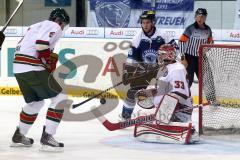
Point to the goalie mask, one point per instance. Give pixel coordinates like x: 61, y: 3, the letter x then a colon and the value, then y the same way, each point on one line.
x: 166, y: 54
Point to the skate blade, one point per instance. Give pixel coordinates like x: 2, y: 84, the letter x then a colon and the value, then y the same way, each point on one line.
x: 46, y: 148
x: 20, y: 145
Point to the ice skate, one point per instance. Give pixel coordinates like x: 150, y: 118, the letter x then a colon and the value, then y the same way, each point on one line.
x: 19, y: 140
x: 49, y: 144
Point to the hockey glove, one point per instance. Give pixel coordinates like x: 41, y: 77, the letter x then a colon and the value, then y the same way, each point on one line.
x: 51, y: 62
x: 2, y: 37
x: 125, y: 78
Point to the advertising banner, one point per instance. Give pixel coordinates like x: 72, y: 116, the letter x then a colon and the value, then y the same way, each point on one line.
x: 125, y: 13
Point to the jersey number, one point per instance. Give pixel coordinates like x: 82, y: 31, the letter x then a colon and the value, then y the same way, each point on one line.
x: 179, y: 84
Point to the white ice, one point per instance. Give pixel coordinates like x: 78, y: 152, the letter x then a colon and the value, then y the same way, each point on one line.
x: 89, y: 140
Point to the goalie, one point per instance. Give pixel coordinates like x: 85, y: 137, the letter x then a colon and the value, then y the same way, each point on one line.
x: 172, y: 99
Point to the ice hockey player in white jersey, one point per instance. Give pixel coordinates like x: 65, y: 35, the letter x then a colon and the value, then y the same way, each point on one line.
x: 141, y: 59
x: 33, y: 64
x: 172, y: 102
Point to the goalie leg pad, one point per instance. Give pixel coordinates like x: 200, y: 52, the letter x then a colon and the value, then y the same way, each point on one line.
x: 184, y: 110
x: 173, y: 133
x: 166, y: 109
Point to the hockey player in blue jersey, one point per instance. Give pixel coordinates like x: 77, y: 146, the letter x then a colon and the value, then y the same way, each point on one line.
x: 141, y: 64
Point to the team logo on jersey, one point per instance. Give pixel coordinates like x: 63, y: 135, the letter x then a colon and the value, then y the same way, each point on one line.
x: 165, y: 73
x: 150, y: 56
x: 51, y: 34
x: 113, y: 14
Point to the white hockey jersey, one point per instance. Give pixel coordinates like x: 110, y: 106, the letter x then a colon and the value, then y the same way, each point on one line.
x: 175, y: 80
x: 26, y: 55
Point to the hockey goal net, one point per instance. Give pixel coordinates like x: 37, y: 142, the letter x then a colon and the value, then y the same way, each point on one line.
x: 219, y: 83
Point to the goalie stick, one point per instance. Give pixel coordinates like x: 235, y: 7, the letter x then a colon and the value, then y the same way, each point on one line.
x: 131, y: 122
x: 20, y: 3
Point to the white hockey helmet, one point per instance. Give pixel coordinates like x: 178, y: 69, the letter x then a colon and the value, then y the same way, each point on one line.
x: 166, y: 54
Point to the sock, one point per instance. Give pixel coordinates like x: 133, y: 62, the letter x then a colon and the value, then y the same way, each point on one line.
x: 54, y: 117
x: 29, y: 115
x: 26, y: 121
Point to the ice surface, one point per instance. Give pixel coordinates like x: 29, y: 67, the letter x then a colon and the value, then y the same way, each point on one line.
x: 89, y: 140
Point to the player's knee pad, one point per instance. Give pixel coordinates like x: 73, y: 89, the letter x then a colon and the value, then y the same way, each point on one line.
x: 59, y: 101
x: 33, y: 107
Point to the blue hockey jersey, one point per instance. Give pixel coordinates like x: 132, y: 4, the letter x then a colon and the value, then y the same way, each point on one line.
x: 144, y: 49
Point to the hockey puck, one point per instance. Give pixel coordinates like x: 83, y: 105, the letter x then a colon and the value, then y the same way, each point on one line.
x: 102, y: 100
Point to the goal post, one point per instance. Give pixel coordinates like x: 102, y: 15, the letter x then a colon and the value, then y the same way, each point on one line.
x: 219, y: 82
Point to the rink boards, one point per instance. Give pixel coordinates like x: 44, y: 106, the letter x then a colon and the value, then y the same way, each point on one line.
x: 86, y: 65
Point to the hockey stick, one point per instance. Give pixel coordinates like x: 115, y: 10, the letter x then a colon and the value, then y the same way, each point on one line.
x: 97, y: 95
x: 120, y: 125
x: 131, y: 122
x: 20, y: 3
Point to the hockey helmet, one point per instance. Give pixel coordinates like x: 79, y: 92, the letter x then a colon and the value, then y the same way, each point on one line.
x: 148, y: 15
x: 59, y: 13
x: 201, y: 11
x: 166, y: 53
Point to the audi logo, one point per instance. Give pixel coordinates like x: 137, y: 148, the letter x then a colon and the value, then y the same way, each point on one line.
x: 92, y: 32
x: 130, y: 33
x: 171, y: 33
x: 11, y: 31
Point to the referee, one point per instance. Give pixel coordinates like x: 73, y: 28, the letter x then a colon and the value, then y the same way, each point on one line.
x: 194, y: 35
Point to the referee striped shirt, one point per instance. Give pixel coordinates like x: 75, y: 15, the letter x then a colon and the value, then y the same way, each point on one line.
x: 193, y: 37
